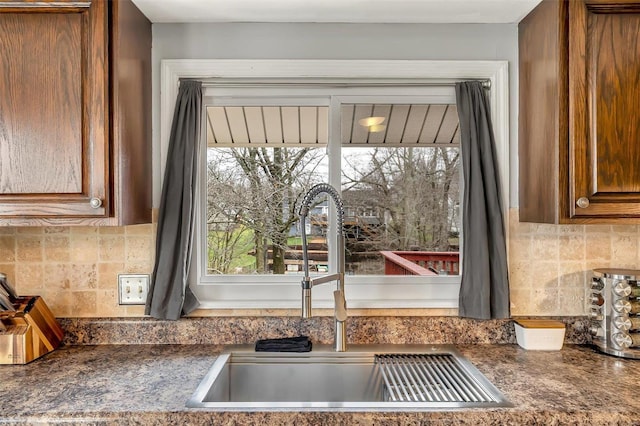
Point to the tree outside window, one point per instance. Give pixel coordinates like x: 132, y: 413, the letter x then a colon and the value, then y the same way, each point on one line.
x: 397, y: 199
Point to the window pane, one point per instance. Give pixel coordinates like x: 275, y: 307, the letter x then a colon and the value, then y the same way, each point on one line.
x: 401, y: 202
x: 252, y: 220
x: 401, y: 188
x: 259, y: 160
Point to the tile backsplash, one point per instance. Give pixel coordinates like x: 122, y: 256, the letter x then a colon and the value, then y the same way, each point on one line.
x: 550, y: 265
x: 75, y: 268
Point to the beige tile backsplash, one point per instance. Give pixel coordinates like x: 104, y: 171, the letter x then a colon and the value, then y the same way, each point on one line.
x: 75, y: 268
x: 550, y: 265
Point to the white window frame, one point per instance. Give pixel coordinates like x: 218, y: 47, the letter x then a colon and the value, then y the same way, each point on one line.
x: 276, y: 291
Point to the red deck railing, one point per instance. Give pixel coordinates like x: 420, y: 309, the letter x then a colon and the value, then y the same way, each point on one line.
x: 421, y: 262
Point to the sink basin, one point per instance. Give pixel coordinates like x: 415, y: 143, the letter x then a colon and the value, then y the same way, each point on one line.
x: 366, y: 378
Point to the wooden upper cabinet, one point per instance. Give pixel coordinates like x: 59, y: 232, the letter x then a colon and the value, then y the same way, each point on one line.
x: 75, y: 130
x: 579, y: 135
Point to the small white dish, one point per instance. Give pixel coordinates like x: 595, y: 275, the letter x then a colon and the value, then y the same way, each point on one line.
x: 540, y: 335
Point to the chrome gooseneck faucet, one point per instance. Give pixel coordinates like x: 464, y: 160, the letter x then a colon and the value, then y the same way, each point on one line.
x: 340, y: 304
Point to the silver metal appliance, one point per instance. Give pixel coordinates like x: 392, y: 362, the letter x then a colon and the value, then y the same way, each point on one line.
x: 615, y: 311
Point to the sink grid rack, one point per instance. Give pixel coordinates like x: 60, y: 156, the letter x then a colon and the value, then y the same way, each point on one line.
x: 429, y: 377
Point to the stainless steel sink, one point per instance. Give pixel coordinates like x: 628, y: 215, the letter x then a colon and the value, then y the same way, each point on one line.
x: 366, y: 378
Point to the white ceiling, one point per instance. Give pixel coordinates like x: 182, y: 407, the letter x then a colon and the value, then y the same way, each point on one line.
x: 339, y: 11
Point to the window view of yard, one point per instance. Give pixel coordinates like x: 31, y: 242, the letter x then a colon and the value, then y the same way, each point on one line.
x: 401, y: 206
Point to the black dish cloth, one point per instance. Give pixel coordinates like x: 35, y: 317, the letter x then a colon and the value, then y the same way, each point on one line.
x: 285, y: 344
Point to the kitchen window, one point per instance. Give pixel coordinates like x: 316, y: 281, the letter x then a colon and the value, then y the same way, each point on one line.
x: 396, y: 161
x: 327, y: 84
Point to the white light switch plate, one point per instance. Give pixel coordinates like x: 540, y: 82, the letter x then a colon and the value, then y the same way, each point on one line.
x: 133, y: 289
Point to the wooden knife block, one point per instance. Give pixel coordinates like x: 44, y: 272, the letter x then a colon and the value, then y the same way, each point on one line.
x: 30, y: 334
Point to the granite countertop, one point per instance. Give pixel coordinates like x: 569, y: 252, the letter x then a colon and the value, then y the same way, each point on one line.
x: 149, y: 384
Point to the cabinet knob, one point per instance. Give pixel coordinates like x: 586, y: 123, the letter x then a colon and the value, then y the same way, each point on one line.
x: 583, y: 202
x: 95, y: 203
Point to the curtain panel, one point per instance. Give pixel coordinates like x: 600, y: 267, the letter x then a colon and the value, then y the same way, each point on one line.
x: 169, y: 295
x: 484, y: 290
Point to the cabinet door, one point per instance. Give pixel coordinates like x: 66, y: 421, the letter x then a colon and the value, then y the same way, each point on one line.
x: 54, y: 157
x: 604, y: 109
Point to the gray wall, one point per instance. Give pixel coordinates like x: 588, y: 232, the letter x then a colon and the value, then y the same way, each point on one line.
x: 337, y: 41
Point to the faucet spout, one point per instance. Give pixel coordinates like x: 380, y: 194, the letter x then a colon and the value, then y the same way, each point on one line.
x: 340, y: 311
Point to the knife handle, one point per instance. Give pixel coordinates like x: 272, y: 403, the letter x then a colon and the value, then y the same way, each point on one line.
x: 30, y: 304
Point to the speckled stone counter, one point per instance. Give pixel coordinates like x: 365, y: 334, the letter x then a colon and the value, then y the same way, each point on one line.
x: 361, y: 330
x: 149, y: 385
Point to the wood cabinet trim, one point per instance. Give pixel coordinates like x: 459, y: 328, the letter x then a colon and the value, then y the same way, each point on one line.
x: 543, y: 114
x: 565, y: 168
x: 44, y: 6
x: 612, y: 6
x: 96, y: 111
x: 579, y: 160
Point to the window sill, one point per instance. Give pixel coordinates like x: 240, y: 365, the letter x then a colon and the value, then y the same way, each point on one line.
x: 441, y: 293
x: 204, y: 311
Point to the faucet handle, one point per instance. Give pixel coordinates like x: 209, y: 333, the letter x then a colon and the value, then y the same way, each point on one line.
x: 340, y: 305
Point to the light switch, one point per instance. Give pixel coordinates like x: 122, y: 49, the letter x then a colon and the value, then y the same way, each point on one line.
x: 133, y: 289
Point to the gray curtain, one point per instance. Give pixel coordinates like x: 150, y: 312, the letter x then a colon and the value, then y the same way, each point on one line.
x: 484, y: 291
x: 169, y: 295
